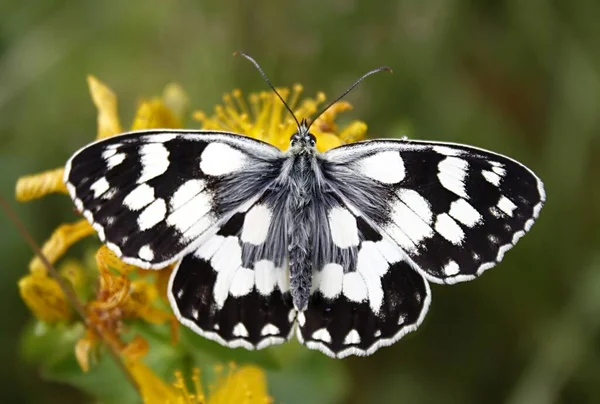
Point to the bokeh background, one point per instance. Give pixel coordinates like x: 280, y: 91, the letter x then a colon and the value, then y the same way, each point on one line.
x: 518, y: 77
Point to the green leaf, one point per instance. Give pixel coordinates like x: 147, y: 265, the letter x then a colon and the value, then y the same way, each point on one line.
x: 43, y: 343
x: 104, y: 381
x: 308, y: 377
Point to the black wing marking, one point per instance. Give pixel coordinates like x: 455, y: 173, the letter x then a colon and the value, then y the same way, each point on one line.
x: 362, y: 304
x: 154, y: 195
x: 231, y: 292
x: 454, y: 210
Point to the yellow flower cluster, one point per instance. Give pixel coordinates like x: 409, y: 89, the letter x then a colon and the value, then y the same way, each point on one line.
x: 121, y: 297
x: 263, y: 116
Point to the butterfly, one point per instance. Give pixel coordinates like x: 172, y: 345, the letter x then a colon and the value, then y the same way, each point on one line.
x: 336, y: 247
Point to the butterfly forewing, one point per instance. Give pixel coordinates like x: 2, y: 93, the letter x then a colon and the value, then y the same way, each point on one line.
x: 453, y: 210
x: 152, y: 195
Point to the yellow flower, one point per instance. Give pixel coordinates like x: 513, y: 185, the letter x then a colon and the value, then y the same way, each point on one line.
x: 244, y: 385
x: 44, y: 297
x: 263, y: 116
x: 117, y: 299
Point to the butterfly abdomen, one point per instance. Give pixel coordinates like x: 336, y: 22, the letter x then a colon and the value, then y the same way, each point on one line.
x: 299, y: 225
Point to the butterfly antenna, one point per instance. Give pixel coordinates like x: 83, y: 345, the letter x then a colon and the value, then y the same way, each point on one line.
x: 357, y: 82
x: 255, y: 63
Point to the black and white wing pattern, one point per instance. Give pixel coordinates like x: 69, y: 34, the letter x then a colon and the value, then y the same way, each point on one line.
x: 367, y: 296
x: 453, y: 210
x: 233, y: 289
x: 409, y: 212
x: 155, y: 197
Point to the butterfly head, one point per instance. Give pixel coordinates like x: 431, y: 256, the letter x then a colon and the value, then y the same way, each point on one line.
x: 303, y: 141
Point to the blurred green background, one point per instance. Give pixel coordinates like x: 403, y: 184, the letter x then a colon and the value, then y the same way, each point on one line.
x: 519, y: 77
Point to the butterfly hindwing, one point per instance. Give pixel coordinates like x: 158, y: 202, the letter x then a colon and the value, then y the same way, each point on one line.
x: 454, y: 210
x: 151, y: 195
x: 366, y: 297
x: 234, y: 288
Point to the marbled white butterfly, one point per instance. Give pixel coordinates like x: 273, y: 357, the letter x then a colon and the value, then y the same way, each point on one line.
x: 339, y: 246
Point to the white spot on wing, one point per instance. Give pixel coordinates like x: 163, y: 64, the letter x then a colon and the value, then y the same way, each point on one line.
x: 108, y: 153
x: 184, y: 217
x: 199, y: 227
x: 372, y: 265
x: 185, y: 193
x: 462, y: 211
x: 354, y: 287
x: 115, y: 160
x: 449, y: 229
x: 225, y: 262
x: 240, y: 330
x: 386, y: 167
x: 160, y: 137
x: 491, y: 177
x: 99, y: 187
x: 256, y: 225
x: 152, y: 215
x: 342, y: 224
x: 220, y: 159
x: 269, y: 329
x: 352, y: 338
x: 506, y: 205
x: 209, y: 248
x: 265, y: 276
x: 389, y: 251
x: 141, y: 196
x: 283, y: 279
x: 146, y: 253
x: 322, y: 335
x: 452, y: 173
x: 242, y: 282
x: 447, y: 151
x: 416, y: 203
x: 410, y: 223
x: 155, y: 161
x: 451, y: 268
x: 331, y: 280
x: 399, y: 236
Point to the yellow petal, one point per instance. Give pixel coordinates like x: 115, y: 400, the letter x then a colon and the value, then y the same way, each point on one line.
x: 106, y: 103
x: 136, y: 349
x: 63, y: 237
x: 176, y: 99
x: 83, y: 350
x: 326, y: 141
x: 154, y: 114
x: 246, y: 385
x: 37, y: 185
x: 44, y: 297
x: 73, y: 271
x: 152, y: 388
x: 354, y: 132
x: 106, y: 259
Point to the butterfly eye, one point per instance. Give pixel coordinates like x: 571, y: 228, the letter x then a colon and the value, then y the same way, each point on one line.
x: 313, y: 139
